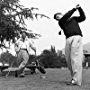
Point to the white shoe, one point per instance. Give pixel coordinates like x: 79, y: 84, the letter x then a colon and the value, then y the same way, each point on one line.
x: 22, y: 75
x: 43, y: 77
x: 74, y: 83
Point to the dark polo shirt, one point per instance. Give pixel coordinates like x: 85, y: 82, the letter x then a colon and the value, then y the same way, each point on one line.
x: 70, y: 24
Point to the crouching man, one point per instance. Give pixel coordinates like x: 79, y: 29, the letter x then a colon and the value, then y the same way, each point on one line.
x: 22, y: 48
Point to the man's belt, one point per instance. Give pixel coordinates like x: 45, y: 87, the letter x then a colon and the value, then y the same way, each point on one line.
x: 24, y: 49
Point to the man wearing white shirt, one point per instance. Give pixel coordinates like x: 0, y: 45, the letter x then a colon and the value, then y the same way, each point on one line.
x: 22, y: 48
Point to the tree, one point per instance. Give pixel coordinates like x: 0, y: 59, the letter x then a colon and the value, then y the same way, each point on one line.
x: 49, y: 58
x: 52, y: 59
x: 6, y: 57
x: 12, y: 19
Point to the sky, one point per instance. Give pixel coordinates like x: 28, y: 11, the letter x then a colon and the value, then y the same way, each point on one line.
x: 49, y: 28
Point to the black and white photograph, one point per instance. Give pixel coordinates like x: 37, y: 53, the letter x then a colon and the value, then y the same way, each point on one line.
x: 44, y: 45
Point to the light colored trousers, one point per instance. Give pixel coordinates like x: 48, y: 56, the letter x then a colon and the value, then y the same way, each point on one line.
x: 23, y: 58
x: 74, y: 57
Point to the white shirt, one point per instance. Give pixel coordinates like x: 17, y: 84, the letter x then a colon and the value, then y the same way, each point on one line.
x: 26, y: 44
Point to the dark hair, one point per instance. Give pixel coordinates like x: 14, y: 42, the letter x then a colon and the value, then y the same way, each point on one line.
x: 55, y: 15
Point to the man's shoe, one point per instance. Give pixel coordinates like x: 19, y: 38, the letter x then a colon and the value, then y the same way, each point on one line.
x: 22, y: 75
x: 73, y: 83
x: 16, y: 73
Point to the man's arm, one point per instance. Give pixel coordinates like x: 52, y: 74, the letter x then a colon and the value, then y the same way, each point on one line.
x: 67, y: 15
x: 82, y: 16
x: 33, y: 48
x: 16, y: 46
x: 31, y: 45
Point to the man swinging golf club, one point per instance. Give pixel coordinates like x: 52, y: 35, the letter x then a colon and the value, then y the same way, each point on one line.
x: 74, y: 48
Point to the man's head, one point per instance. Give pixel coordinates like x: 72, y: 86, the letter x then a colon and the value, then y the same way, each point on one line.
x: 23, y: 35
x: 58, y: 16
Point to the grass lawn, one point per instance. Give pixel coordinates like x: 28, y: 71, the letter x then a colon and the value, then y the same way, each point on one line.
x: 55, y: 80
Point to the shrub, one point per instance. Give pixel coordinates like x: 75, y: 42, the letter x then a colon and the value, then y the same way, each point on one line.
x: 9, y: 58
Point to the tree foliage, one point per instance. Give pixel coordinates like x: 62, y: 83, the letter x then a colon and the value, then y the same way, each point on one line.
x: 50, y: 59
x: 12, y: 19
x: 6, y: 57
